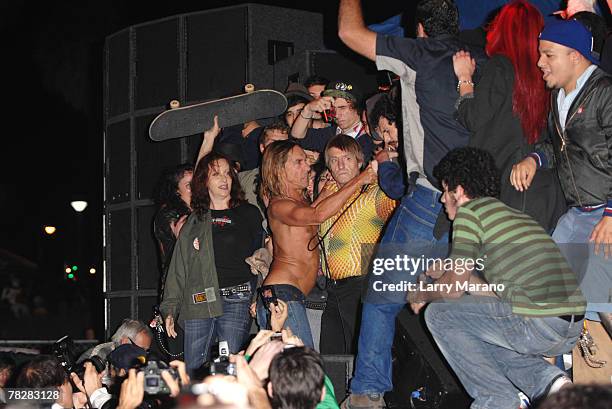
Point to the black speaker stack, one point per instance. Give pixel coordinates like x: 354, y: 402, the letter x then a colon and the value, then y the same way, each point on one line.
x: 421, y: 377
x: 190, y: 58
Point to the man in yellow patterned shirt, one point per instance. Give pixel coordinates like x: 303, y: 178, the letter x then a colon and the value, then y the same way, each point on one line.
x: 358, y: 224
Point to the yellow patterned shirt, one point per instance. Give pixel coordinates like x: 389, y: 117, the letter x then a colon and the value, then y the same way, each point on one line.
x: 361, y: 224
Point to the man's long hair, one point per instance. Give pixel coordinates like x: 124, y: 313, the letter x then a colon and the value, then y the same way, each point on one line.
x: 514, y: 34
x: 273, y: 169
x: 200, y: 197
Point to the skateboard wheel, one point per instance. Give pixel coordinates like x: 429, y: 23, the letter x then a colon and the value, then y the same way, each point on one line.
x: 174, y: 104
x: 249, y: 88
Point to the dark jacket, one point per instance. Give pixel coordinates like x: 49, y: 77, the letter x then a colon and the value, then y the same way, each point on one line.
x: 391, y: 179
x: 495, y: 128
x: 582, y: 153
x: 192, y: 287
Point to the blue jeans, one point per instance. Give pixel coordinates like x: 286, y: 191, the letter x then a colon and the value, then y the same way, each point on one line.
x: 233, y: 326
x: 410, y: 231
x: 297, y: 320
x: 496, y: 353
x: 594, y: 272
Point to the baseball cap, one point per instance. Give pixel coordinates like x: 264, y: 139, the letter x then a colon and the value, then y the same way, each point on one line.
x: 295, y: 89
x: 342, y: 89
x: 572, y: 34
x: 127, y: 356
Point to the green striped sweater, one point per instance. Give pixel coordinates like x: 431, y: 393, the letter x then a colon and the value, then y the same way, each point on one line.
x: 516, y: 252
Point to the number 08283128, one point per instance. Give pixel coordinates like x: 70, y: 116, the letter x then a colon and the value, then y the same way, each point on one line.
x: 31, y: 394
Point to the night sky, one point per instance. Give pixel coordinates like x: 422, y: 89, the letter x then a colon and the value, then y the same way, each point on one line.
x: 52, y: 86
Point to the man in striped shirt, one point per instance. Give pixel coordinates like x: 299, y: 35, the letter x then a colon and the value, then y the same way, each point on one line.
x: 496, y: 343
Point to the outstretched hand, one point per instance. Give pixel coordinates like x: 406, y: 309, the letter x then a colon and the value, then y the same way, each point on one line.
x: 213, y: 132
x: 318, y: 105
x: 278, y: 315
x: 132, y: 390
x: 262, y: 337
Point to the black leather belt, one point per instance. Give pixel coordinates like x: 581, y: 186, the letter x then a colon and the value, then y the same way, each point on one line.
x: 237, y: 289
x: 568, y: 318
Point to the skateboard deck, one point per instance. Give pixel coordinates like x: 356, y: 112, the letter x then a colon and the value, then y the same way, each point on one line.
x: 197, y: 118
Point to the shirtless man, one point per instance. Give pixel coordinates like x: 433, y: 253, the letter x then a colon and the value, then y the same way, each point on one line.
x: 294, y: 223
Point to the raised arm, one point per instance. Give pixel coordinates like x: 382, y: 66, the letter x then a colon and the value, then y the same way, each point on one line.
x: 302, y: 122
x: 294, y: 214
x: 208, y: 140
x: 353, y: 31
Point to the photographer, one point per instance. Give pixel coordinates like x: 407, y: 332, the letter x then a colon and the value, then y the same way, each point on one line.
x: 145, y: 381
x: 45, y: 371
x: 296, y: 379
x: 264, y: 348
x: 132, y: 393
x: 129, y: 332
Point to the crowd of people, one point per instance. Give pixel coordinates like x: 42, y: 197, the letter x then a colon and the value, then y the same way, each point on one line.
x: 475, y: 188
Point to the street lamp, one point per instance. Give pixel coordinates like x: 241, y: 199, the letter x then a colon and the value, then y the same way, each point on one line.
x: 78, y: 205
x: 50, y: 230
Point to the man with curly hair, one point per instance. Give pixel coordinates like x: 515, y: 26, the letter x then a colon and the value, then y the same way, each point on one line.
x: 510, y: 296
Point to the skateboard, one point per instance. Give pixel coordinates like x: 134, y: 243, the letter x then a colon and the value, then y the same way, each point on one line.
x: 193, y: 119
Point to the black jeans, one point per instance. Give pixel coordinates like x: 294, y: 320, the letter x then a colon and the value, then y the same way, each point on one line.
x: 342, y: 316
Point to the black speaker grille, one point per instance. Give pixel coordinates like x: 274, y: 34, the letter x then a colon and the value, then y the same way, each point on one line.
x: 216, y: 54
x: 118, y: 48
x: 118, y: 308
x: 148, y: 267
x: 120, y: 250
x: 157, y: 64
x: 118, y: 163
x: 152, y: 157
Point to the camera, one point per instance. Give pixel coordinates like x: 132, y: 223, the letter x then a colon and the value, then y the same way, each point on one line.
x: 154, y: 384
x: 222, y: 365
x: 268, y: 296
x: 64, y: 351
x: 329, y: 115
